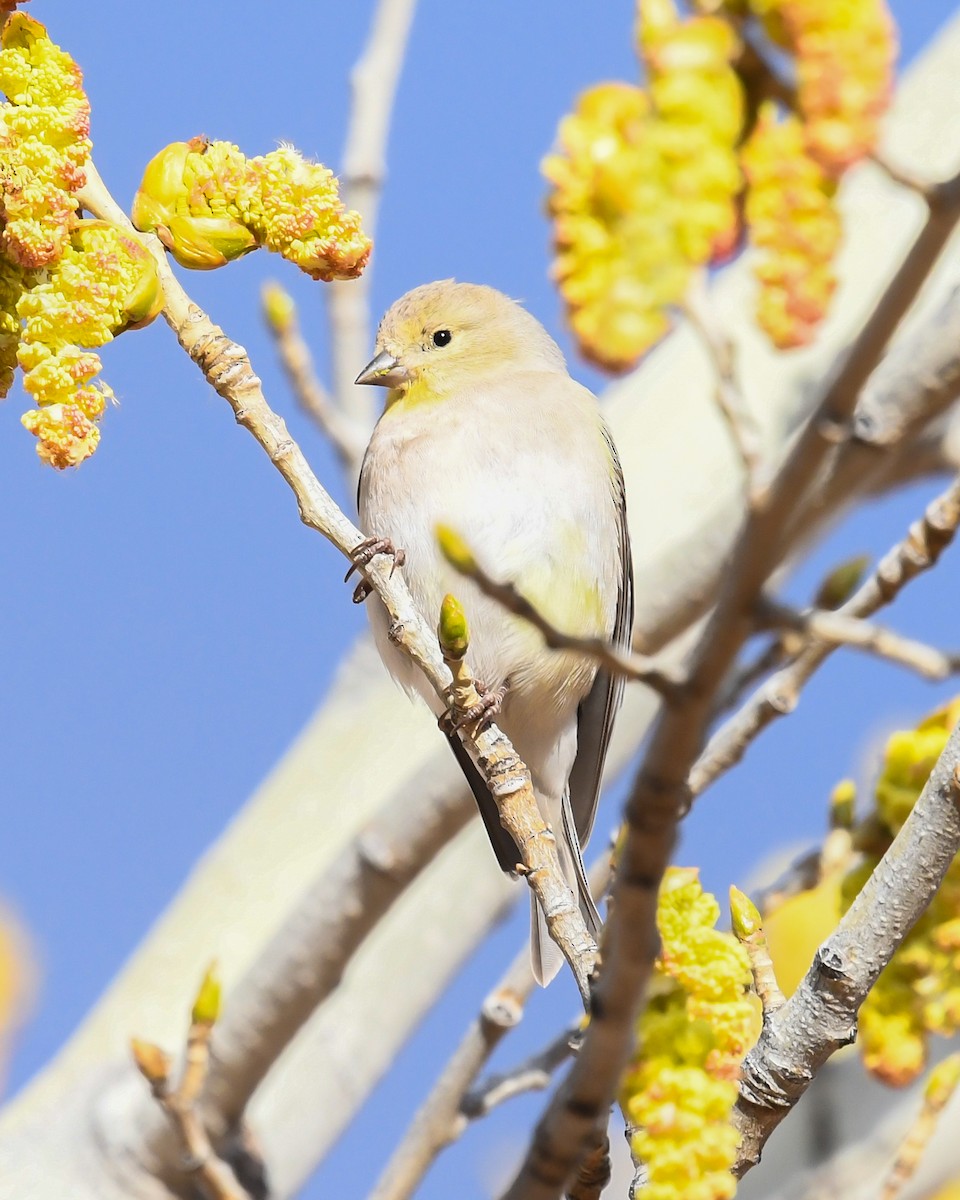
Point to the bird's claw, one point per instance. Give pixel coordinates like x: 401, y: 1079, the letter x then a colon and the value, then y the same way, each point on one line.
x: 363, y: 553
x: 483, y: 712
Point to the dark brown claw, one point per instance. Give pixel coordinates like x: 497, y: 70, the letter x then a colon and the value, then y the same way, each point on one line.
x: 363, y: 553
x: 488, y: 707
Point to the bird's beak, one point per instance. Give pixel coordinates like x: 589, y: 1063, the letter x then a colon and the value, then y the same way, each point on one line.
x: 385, y: 370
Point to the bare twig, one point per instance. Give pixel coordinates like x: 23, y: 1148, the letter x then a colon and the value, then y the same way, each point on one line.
x: 748, y: 928
x: 577, y: 1112
x: 347, y: 436
x: 532, y: 1075
x: 840, y: 629
x: 940, y: 1088
x: 442, y: 1118
x: 373, y: 83
x: 919, y: 551
x: 180, y: 1103
x: 662, y: 680
x: 821, y: 1015
x: 729, y: 395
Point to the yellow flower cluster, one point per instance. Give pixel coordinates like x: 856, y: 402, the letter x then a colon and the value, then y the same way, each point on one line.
x: 44, y: 143
x: 696, y: 1028
x: 845, y: 52
x: 919, y: 991
x: 209, y: 204
x: 104, y: 282
x: 644, y: 184
x: 795, y: 225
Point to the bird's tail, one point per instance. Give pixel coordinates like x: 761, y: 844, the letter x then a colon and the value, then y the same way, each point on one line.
x: 545, y: 956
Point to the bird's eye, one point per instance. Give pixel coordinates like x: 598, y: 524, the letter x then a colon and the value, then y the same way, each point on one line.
x: 441, y: 337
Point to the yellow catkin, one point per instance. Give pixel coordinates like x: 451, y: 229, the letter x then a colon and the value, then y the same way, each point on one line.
x: 696, y: 1028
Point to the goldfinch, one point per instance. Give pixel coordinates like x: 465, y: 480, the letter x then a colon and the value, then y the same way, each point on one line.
x: 484, y: 431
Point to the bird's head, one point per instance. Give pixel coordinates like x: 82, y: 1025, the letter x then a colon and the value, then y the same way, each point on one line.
x: 446, y: 336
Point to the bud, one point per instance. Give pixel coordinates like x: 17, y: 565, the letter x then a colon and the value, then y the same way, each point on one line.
x: 205, y: 243
x: 942, y: 1082
x: 206, y: 1007
x: 455, y: 550
x: 843, y: 800
x: 842, y: 582
x: 160, y: 188
x: 152, y: 1063
x: 744, y: 915
x: 279, y: 309
x: 453, y: 631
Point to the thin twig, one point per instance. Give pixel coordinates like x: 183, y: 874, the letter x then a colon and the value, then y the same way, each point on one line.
x: 532, y: 1075
x: 441, y: 1118
x: 937, y: 1094
x: 347, y: 436
x: 917, y: 552
x: 665, y: 681
x: 821, y: 1015
x: 213, y: 1176
x: 373, y: 84
x: 578, y: 1110
x: 730, y: 399
x: 840, y: 629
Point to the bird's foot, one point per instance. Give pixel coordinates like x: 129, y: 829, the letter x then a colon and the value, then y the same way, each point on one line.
x: 483, y: 712
x: 363, y: 553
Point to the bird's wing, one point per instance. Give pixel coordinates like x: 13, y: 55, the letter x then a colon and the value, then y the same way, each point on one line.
x: 598, y: 709
x: 503, y: 844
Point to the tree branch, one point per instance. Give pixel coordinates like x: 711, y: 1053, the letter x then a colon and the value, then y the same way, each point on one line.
x: 840, y: 629
x: 729, y: 394
x: 347, y: 436
x: 917, y: 552
x: 577, y: 1112
x: 820, y: 1016
x: 374, y: 84
x: 662, y: 679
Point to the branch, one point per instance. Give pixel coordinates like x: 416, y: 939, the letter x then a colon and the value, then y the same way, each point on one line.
x: 374, y: 84
x: 941, y: 1085
x: 444, y: 1116
x: 820, y: 1016
x: 917, y: 552
x: 532, y: 1075
x: 347, y: 436
x: 214, y: 1177
x: 663, y: 680
x: 440, y: 1120
x: 304, y: 961
x: 840, y: 629
x: 577, y: 1113
x: 729, y: 393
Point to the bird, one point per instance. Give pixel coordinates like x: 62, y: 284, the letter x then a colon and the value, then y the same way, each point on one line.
x: 484, y: 431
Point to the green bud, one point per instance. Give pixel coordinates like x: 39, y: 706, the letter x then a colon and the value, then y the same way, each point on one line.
x: 744, y: 915
x: 205, y: 243
x: 842, y: 582
x: 843, y: 800
x: 453, y: 631
x: 206, y: 1007
x: 455, y: 550
x: 279, y: 308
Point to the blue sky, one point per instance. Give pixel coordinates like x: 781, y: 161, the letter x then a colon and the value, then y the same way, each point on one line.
x: 131, y: 680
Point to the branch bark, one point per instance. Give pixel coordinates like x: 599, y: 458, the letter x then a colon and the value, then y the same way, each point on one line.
x: 821, y: 1015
